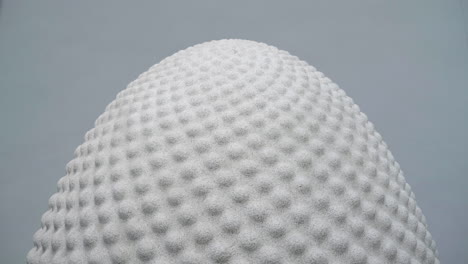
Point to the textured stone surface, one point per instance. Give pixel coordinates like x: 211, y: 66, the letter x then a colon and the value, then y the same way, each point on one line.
x: 233, y: 151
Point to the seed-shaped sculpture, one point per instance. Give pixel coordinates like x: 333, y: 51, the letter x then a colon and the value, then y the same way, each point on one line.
x: 233, y: 151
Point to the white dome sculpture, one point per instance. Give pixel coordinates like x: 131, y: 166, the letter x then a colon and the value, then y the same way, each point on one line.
x: 233, y: 151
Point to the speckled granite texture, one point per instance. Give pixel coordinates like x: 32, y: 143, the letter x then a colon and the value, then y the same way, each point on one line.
x: 233, y: 151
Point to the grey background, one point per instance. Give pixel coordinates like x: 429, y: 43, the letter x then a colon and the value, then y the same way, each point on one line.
x: 404, y: 62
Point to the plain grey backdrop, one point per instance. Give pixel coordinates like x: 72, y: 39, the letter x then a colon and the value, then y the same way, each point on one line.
x: 404, y: 62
